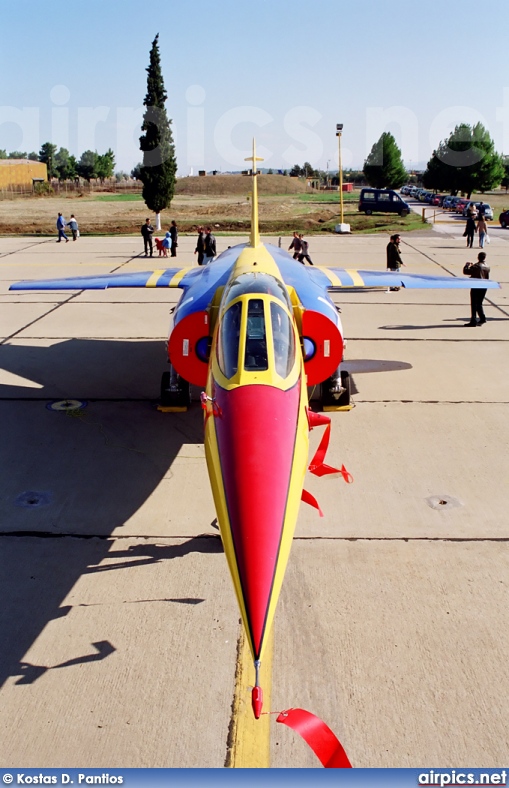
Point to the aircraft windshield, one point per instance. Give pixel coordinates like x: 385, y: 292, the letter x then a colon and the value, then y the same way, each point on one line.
x: 256, y: 357
x: 284, y: 341
x: 257, y: 283
x: 229, y: 339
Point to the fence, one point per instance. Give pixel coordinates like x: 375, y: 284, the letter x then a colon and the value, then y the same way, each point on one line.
x: 56, y: 187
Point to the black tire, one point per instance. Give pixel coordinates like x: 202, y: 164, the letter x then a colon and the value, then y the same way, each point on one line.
x: 404, y: 213
x: 328, y: 399
x: 181, y: 398
x: 368, y: 211
x: 503, y: 225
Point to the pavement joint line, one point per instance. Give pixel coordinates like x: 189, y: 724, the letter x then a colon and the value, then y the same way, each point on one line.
x: 152, y: 538
x: 25, y: 248
x: 154, y: 400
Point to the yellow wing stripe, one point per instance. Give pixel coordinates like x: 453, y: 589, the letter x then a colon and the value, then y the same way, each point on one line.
x: 152, y: 281
x: 356, y: 277
x: 333, y: 278
x: 175, y: 280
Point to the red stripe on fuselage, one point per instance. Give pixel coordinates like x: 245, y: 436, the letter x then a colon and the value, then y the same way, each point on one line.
x: 256, y: 433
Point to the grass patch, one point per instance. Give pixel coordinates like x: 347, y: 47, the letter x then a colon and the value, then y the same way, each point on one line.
x: 329, y: 197
x: 118, y: 197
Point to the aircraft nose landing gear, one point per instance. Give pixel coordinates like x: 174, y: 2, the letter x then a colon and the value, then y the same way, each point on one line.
x: 336, y: 392
x: 175, y: 393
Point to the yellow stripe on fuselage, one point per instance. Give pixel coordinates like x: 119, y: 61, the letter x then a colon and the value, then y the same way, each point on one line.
x: 333, y: 278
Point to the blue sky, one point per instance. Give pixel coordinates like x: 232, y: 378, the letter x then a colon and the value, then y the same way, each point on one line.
x: 284, y: 71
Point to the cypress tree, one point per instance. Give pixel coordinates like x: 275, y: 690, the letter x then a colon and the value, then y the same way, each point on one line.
x: 159, y: 162
x: 384, y: 167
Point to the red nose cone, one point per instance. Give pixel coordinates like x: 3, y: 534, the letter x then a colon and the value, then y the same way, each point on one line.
x: 256, y: 439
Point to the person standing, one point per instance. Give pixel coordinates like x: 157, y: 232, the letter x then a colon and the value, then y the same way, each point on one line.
x: 482, y: 229
x: 73, y: 224
x: 200, y: 246
x: 394, y: 260
x: 470, y: 230
x: 167, y: 244
x: 210, y: 246
x: 478, y: 270
x: 296, y: 246
x: 147, y: 231
x: 174, y: 238
x: 304, y: 247
x: 61, y: 228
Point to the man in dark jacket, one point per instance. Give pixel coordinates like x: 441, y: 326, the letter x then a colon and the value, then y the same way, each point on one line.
x: 147, y: 231
x: 394, y: 261
x: 296, y: 245
x: 210, y: 246
x: 174, y: 238
x: 200, y: 245
x: 478, y: 270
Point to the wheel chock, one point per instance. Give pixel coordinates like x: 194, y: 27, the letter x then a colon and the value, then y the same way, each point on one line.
x: 172, y: 409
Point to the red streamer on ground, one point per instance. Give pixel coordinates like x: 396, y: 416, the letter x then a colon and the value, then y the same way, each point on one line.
x: 325, y: 745
x: 311, y: 500
x: 317, y: 465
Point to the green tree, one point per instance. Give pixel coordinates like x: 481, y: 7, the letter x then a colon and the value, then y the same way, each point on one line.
x: 17, y: 154
x: 136, y: 171
x: 65, y: 165
x: 505, y: 179
x: 47, y: 155
x: 106, y: 164
x: 159, y: 162
x: 296, y: 171
x: 3, y: 154
x: 33, y: 156
x: 384, y: 167
x: 87, y: 165
x: 466, y: 162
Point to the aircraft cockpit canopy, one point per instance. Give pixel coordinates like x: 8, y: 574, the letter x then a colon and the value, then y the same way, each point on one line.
x: 256, y: 335
x: 254, y: 282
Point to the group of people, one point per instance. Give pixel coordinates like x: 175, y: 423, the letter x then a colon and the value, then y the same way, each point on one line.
x: 205, y: 246
x: 300, y: 249
x: 167, y: 244
x: 62, y: 224
x: 471, y: 228
x: 477, y: 270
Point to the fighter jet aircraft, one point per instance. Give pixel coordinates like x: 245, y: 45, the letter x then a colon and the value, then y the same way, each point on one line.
x: 254, y: 329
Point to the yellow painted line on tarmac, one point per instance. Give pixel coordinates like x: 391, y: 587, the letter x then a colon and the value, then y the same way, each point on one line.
x: 249, y: 739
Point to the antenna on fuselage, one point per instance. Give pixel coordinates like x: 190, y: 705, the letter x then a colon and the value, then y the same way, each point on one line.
x: 255, y: 233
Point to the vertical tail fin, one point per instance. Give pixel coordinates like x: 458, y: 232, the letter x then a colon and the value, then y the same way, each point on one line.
x: 255, y: 233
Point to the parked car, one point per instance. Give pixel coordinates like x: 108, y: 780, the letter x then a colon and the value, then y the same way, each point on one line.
x: 460, y: 205
x: 487, y: 211
x: 381, y: 201
x: 448, y: 202
x: 504, y: 219
x: 437, y: 199
x: 467, y: 209
x: 405, y: 190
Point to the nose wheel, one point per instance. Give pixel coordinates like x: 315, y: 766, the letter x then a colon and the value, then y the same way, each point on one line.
x: 336, y: 393
x: 175, y: 393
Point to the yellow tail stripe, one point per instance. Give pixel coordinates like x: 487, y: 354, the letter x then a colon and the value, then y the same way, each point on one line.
x: 356, y: 277
x: 152, y: 281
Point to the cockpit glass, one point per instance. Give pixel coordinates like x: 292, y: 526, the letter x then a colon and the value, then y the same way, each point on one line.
x: 284, y: 340
x: 255, y: 358
x: 229, y: 339
x: 257, y: 283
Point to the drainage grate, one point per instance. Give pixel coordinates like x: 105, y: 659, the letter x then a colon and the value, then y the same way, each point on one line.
x: 66, y: 405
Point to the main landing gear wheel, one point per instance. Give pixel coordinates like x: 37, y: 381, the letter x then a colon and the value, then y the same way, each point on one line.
x: 175, y: 393
x: 335, y: 397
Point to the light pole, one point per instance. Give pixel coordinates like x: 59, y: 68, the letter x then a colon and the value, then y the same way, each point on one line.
x: 342, y: 227
x: 339, y: 129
